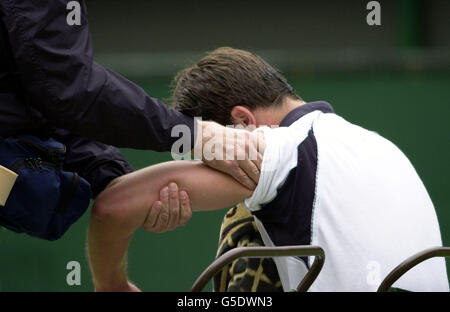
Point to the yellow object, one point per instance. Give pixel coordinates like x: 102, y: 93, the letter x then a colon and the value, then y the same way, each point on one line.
x: 7, y: 180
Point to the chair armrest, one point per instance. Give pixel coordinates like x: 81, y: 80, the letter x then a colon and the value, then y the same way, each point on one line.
x: 264, y: 252
x: 411, y: 262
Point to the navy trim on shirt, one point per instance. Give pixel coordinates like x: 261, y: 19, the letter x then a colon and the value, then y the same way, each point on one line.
x: 304, y: 109
x: 288, y: 217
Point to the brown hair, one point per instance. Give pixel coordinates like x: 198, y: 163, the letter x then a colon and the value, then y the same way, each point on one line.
x: 225, y: 78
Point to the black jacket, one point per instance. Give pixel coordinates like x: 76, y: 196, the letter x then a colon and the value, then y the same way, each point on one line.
x: 49, y: 82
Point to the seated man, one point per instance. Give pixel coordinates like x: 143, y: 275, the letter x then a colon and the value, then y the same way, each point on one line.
x: 323, y: 181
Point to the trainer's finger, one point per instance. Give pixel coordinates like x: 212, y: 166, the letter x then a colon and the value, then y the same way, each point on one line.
x: 242, y: 177
x: 152, y: 217
x: 186, y: 211
x: 174, y: 206
x: 257, y: 148
x: 258, y: 162
x: 164, y: 215
x: 250, y: 169
x: 162, y: 221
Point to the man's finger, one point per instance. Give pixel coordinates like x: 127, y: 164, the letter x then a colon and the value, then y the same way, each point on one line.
x: 186, y: 211
x: 174, y: 207
x: 152, y: 218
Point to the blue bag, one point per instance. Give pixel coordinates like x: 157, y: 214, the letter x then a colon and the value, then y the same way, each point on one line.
x: 45, y: 200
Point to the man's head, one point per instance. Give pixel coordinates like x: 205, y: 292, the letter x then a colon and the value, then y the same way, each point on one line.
x: 232, y: 86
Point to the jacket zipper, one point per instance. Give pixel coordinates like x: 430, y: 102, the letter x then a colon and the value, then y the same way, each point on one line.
x: 32, y: 163
x: 55, y: 155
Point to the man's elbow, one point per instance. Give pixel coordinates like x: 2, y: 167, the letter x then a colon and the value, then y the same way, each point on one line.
x: 110, y: 208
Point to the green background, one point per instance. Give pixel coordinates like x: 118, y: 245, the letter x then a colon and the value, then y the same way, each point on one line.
x: 411, y: 109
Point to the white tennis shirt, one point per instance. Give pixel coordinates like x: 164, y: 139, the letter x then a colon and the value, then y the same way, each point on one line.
x: 327, y: 182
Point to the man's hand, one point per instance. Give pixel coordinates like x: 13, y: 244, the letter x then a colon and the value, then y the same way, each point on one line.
x: 172, y: 210
x: 237, y: 152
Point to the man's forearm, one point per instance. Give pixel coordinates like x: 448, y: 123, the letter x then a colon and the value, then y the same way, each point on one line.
x: 116, y: 216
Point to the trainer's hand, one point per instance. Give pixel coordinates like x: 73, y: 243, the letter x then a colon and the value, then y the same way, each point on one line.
x: 172, y: 210
x: 241, y: 151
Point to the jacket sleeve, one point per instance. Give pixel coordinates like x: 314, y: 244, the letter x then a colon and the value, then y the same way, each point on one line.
x: 98, y: 163
x: 55, y: 65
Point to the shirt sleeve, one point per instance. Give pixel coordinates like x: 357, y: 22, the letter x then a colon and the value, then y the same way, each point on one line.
x: 54, y: 62
x: 271, y: 171
x: 280, y: 157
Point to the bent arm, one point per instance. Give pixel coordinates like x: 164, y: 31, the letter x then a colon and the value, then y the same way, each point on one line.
x: 124, y: 205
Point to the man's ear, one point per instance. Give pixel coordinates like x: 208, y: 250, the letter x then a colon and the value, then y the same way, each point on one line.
x: 243, y: 116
